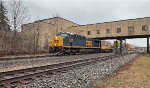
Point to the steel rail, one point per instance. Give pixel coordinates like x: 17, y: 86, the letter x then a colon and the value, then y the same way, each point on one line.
x: 42, y: 56
x: 49, y: 69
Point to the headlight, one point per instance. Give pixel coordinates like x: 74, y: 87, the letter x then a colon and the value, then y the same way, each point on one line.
x: 56, y: 38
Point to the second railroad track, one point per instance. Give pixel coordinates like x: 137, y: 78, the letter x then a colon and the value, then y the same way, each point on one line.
x: 8, y: 79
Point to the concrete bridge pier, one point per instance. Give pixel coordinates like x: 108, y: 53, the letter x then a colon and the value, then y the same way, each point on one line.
x: 125, y: 43
x: 116, y: 47
x: 148, y: 45
x: 120, y: 46
x: 100, y: 44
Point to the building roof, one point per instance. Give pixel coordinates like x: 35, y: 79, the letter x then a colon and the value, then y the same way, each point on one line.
x: 109, y: 22
x: 50, y: 19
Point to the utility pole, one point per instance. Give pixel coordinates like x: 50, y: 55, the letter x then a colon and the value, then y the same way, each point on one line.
x: 56, y: 24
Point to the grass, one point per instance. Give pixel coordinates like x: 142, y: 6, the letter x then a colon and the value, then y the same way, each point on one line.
x: 134, y: 75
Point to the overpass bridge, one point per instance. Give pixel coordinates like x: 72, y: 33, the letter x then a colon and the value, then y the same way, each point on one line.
x: 119, y: 30
x: 121, y: 38
x: 125, y: 29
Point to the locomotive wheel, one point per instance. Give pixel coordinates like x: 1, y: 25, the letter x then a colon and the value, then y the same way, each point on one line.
x: 77, y: 50
x: 98, y: 50
x: 50, y: 50
x: 95, y: 50
x: 66, y: 51
x: 74, y: 51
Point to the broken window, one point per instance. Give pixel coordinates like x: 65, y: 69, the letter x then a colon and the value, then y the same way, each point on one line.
x: 88, y: 32
x: 108, y: 30
x: 118, y: 30
x: 98, y: 31
x: 145, y: 28
x: 131, y: 29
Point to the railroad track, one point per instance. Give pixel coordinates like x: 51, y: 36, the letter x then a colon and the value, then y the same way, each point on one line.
x: 12, y: 78
x: 42, y: 56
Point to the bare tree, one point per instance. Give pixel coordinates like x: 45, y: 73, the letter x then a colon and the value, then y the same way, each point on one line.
x: 31, y: 36
x: 4, y: 26
x: 57, y: 23
x: 46, y: 41
x: 36, y: 37
x: 18, y: 14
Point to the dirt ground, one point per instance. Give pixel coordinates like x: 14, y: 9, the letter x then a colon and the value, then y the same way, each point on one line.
x: 134, y: 75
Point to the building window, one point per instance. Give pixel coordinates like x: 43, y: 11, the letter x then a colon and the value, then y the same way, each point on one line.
x: 108, y: 30
x: 145, y: 28
x: 131, y: 29
x: 118, y: 30
x: 88, y: 32
x: 98, y: 31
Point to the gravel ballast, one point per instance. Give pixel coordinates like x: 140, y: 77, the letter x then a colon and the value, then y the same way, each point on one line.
x: 83, y: 77
x: 10, y: 65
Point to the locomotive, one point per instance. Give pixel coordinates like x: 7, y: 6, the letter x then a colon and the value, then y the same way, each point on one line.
x: 68, y: 43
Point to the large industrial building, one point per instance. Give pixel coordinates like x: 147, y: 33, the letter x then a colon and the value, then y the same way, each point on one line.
x: 38, y: 33
x: 122, y: 29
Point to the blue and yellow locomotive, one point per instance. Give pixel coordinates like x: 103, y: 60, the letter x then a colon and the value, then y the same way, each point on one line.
x: 68, y: 43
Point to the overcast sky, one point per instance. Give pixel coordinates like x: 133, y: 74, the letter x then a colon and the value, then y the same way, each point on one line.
x: 90, y: 11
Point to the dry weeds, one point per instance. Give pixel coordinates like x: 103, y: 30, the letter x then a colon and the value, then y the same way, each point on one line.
x: 134, y: 75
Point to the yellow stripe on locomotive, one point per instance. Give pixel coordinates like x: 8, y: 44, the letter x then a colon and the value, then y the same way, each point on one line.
x: 105, y: 47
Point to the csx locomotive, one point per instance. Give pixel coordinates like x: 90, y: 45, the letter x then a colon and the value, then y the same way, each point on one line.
x: 68, y: 43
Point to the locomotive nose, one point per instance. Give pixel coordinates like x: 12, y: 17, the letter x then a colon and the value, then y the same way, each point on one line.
x: 56, y: 41
x: 56, y: 38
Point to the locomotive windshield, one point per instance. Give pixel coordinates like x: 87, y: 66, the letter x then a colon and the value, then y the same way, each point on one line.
x: 63, y: 35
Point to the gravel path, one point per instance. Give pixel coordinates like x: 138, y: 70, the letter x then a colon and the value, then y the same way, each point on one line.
x: 9, y: 65
x: 81, y: 78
